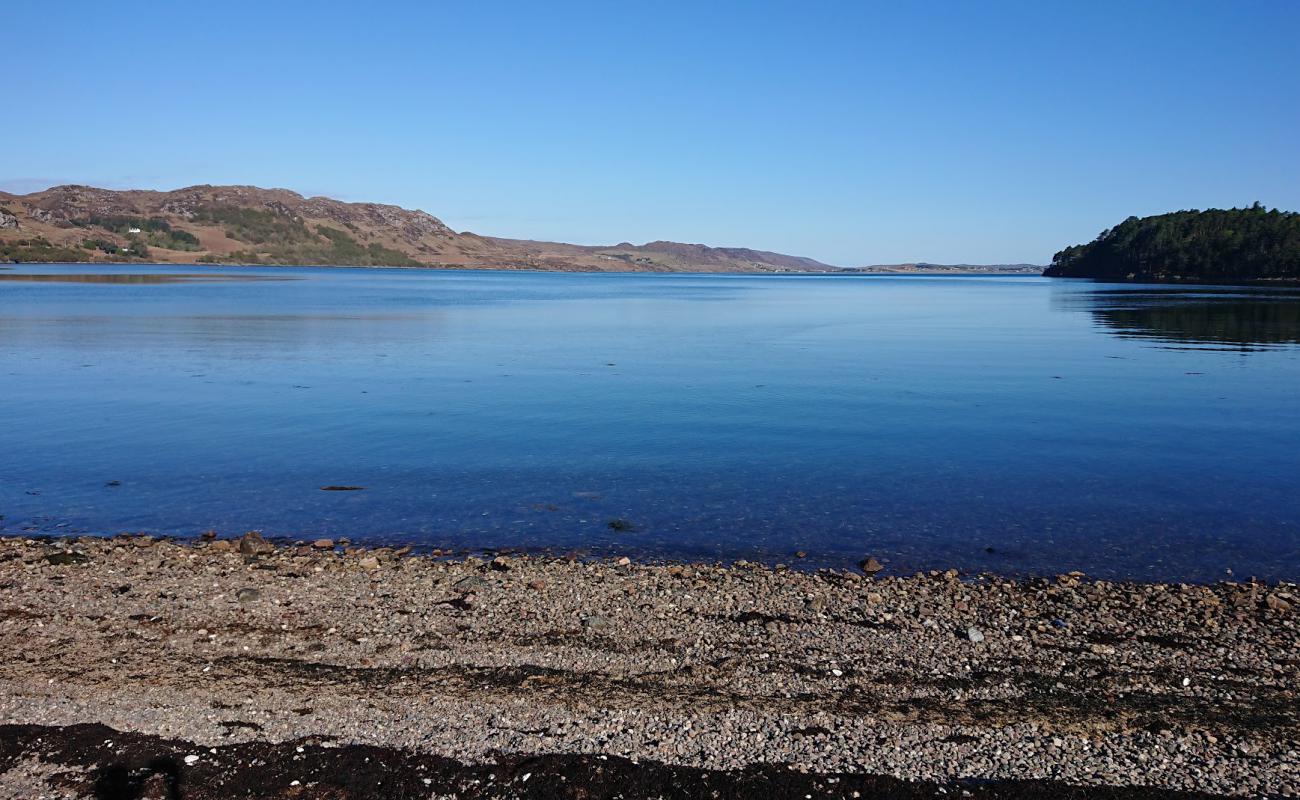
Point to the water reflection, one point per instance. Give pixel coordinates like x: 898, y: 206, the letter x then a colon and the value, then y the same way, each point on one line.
x: 138, y: 278
x: 1244, y: 319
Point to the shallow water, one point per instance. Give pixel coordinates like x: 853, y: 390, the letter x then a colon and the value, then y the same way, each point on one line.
x: 1015, y: 424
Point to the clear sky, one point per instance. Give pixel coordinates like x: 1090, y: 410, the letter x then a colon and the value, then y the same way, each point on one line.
x: 852, y: 132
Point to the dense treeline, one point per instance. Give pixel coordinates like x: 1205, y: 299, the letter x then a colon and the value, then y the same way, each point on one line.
x: 1239, y: 244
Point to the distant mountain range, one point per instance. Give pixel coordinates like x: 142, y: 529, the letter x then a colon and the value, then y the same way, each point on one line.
x: 248, y: 225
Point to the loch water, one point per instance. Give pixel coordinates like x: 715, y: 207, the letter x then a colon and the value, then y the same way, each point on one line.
x: 1012, y: 424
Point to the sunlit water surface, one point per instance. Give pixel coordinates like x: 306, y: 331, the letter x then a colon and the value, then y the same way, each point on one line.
x: 1013, y: 424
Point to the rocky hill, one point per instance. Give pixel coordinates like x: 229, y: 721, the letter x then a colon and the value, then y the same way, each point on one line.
x: 248, y: 225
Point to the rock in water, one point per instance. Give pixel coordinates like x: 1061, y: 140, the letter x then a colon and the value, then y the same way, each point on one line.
x: 871, y: 566
x: 252, y: 544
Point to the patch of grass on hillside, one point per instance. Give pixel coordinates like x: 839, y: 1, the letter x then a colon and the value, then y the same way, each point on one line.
x: 281, y: 239
x: 155, y: 231
x: 346, y: 250
x: 254, y: 226
x: 134, y: 248
x: 37, y: 250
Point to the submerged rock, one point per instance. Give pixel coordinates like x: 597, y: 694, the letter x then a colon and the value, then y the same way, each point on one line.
x: 871, y: 566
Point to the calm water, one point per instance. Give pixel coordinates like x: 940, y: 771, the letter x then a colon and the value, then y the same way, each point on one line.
x: 1013, y: 424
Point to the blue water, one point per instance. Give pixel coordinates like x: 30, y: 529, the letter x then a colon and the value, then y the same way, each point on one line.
x: 1012, y: 424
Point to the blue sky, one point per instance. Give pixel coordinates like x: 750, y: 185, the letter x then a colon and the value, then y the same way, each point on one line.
x: 853, y: 132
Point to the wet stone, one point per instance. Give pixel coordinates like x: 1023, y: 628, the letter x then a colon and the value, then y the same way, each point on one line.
x: 253, y: 544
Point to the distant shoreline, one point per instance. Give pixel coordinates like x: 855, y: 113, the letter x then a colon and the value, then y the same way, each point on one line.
x: 271, y: 227
x: 849, y: 271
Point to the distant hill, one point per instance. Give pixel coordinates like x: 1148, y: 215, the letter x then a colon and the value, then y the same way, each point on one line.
x: 923, y: 268
x: 248, y: 225
x: 1239, y: 244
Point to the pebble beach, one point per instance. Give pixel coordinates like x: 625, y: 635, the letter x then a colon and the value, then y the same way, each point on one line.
x: 241, y: 662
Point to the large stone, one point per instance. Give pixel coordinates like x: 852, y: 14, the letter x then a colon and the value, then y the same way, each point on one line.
x: 252, y: 544
x: 469, y: 584
x: 1277, y: 603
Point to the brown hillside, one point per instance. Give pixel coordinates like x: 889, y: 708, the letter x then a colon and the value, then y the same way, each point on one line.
x: 249, y: 225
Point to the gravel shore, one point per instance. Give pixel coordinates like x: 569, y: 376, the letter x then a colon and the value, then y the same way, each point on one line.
x: 246, y: 668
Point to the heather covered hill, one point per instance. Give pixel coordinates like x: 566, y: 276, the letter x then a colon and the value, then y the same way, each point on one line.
x: 249, y: 225
x: 1239, y: 244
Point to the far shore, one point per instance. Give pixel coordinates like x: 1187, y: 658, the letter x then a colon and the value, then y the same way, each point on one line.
x: 509, y: 268
x: 249, y: 663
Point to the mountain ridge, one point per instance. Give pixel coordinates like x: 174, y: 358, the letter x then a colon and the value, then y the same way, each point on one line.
x: 241, y: 224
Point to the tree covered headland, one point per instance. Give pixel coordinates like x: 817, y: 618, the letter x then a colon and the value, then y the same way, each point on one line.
x: 1239, y: 244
